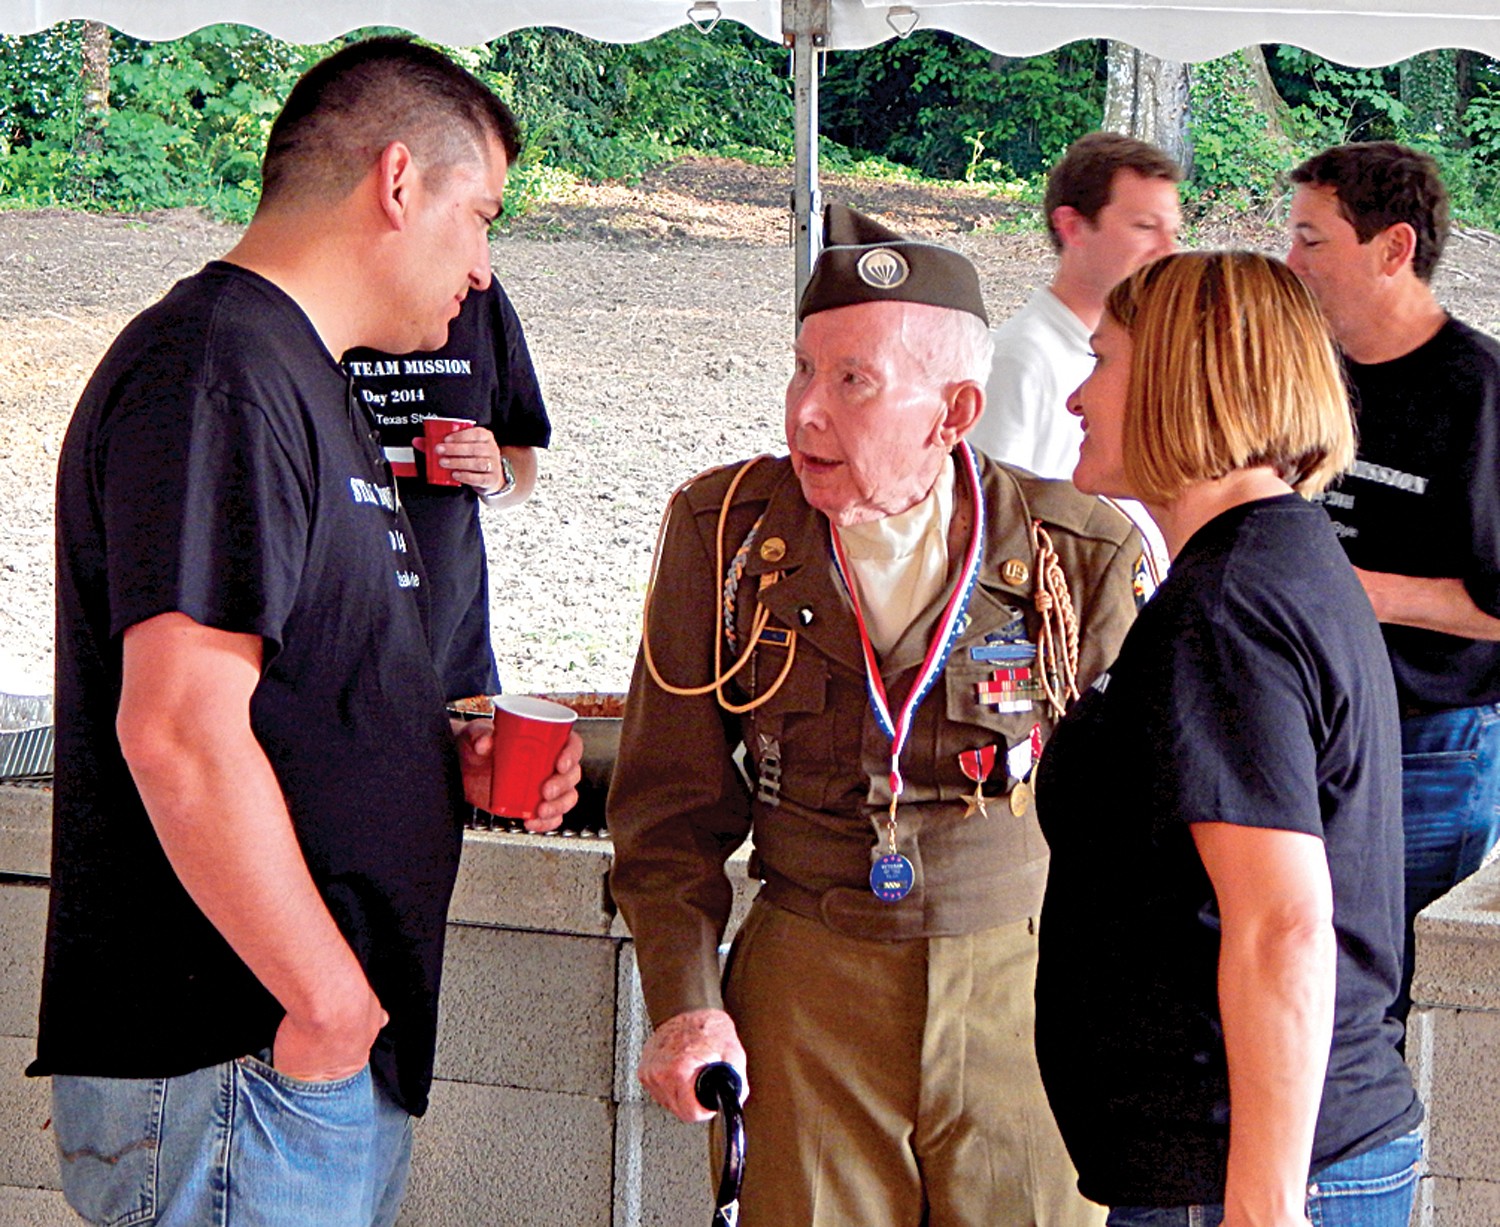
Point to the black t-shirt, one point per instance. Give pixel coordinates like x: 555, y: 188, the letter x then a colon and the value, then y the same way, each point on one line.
x: 484, y: 372
x: 217, y: 465
x: 1252, y: 689
x: 1424, y: 499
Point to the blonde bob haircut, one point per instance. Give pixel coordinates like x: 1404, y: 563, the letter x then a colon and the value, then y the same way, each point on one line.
x: 1232, y: 368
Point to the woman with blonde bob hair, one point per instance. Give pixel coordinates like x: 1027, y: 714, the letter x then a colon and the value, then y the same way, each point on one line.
x: 1221, y: 934
x: 1246, y: 375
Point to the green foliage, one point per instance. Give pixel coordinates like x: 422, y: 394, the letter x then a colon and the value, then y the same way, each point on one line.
x: 188, y: 119
x: 1333, y: 104
x: 1236, y: 161
x: 941, y: 104
x: 41, y: 90
x: 1239, y: 162
x: 609, y: 112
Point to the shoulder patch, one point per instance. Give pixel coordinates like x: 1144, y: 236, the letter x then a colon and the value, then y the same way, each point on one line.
x: 1143, y: 579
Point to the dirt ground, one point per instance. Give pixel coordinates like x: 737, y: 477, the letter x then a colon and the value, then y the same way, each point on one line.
x: 659, y: 317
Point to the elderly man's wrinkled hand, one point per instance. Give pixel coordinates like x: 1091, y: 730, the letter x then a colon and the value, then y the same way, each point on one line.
x: 679, y: 1049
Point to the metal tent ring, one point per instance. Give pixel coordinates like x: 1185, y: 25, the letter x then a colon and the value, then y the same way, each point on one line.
x: 899, y: 14
x: 705, y: 15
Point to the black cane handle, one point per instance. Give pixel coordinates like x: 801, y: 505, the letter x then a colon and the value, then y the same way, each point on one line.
x: 718, y: 1088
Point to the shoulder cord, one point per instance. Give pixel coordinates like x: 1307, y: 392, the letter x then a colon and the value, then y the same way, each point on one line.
x: 762, y: 614
x: 1057, y: 645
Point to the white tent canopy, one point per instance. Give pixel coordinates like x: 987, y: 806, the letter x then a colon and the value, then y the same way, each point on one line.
x: 1350, y: 31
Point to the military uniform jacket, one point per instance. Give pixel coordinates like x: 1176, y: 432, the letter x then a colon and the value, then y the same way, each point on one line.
x: 815, y: 778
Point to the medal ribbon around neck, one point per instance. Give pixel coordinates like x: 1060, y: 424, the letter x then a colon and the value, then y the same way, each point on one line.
x: 943, y: 635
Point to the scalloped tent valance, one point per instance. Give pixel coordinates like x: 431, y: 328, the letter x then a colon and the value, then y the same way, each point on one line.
x: 1351, y: 31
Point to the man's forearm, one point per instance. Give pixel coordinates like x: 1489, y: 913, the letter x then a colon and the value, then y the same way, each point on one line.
x: 224, y: 827
x: 1431, y: 604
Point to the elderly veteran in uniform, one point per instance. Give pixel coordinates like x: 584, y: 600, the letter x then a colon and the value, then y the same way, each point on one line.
x: 889, y: 624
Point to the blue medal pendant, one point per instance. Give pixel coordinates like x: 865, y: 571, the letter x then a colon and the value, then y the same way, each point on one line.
x: 892, y: 877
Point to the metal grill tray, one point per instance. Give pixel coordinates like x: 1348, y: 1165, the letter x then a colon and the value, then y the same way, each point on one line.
x: 26, y: 753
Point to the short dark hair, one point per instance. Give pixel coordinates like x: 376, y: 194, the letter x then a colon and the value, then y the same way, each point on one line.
x: 1381, y: 183
x: 1085, y: 176
x: 347, y: 108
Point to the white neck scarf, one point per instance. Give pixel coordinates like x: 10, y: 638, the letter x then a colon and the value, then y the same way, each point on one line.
x: 900, y: 562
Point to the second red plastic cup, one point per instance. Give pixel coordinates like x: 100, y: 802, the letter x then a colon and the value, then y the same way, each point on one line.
x: 434, y: 431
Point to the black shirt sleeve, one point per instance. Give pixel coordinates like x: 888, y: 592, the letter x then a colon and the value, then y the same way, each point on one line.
x: 208, y: 515
x: 520, y: 418
x: 1231, y: 729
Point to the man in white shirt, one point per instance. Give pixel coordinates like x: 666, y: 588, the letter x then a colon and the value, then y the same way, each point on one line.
x: 1111, y: 206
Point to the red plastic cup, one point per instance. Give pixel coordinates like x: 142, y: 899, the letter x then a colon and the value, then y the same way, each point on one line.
x: 434, y: 431
x: 529, y: 735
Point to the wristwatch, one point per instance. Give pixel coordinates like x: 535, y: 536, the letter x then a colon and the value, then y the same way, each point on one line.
x: 507, y: 481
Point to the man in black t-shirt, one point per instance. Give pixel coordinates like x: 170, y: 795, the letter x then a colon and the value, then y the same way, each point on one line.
x: 483, y: 373
x: 1419, y: 515
x: 256, y: 819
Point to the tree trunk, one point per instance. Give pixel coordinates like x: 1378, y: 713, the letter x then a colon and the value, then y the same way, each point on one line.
x: 1147, y: 98
x: 1267, y: 99
x: 1429, y: 91
x: 96, y: 45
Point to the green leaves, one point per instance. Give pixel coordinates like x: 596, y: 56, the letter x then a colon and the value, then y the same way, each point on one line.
x: 188, y: 119
x: 925, y: 100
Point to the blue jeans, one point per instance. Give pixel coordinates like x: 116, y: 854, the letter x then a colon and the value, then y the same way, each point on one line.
x: 1450, y: 786
x: 1375, y: 1189
x: 233, y: 1145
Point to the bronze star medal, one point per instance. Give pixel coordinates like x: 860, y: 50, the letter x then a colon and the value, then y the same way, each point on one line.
x: 976, y: 766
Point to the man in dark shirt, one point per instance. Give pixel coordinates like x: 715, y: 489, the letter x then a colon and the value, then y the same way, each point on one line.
x: 256, y: 825
x: 484, y: 373
x: 1419, y: 514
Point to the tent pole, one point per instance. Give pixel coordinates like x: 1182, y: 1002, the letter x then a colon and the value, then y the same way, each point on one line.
x: 805, y: 30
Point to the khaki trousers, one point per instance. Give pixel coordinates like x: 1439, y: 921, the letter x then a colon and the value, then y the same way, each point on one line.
x: 894, y: 1084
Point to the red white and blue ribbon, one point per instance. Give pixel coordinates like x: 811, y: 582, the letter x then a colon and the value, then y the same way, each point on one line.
x: 898, y: 729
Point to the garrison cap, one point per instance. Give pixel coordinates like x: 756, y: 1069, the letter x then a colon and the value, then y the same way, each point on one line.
x: 863, y: 261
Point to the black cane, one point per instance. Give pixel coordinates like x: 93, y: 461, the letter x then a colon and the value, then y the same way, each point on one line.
x: 718, y: 1089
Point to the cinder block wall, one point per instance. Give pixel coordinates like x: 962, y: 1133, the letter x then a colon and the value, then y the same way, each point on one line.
x: 1454, y: 1051
x: 536, y: 1115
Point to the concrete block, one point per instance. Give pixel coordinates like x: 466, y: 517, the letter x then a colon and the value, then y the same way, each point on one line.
x: 1456, y: 1057
x: 632, y: 1026
x: 28, y: 1157
x: 35, y: 1208
x: 664, y: 1174
x: 1458, y: 946
x: 25, y: 830
x: 1444, y: 1202
x: 528, y: 1010
x: 23, y: 929
x: 550, y: 883
x: 508, y: 1158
